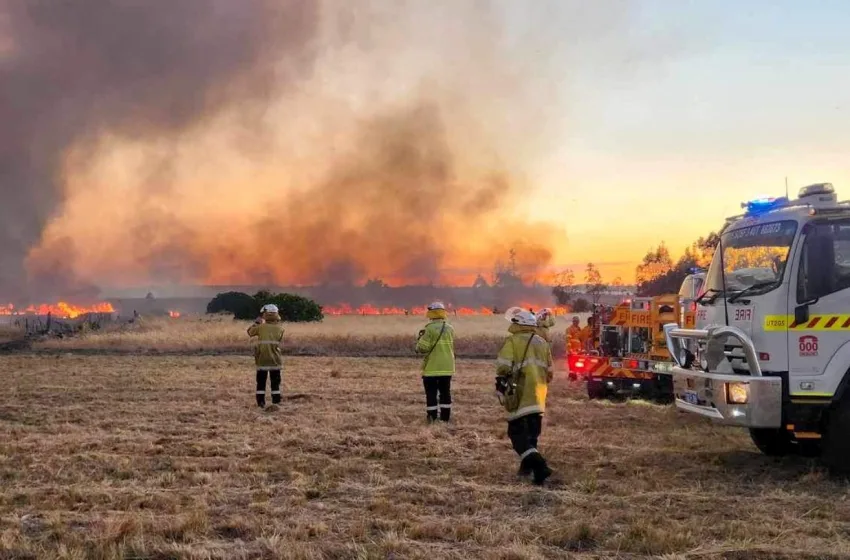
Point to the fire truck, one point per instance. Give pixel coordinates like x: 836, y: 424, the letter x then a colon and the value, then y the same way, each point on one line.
x: 629, y: 355
x: 770, y: 351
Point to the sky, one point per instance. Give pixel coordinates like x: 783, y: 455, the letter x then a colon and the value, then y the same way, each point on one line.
x: 410, y: 140
x: 744, y: 95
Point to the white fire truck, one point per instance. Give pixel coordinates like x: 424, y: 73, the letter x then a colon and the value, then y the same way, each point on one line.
x: 770, y: 350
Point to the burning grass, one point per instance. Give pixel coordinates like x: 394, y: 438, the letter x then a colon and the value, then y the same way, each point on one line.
x: 165, y: 457
x: 393, y: 336
x: 61, y: 309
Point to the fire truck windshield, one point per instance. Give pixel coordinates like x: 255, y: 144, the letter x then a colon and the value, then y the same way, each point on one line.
x: 753, y: 258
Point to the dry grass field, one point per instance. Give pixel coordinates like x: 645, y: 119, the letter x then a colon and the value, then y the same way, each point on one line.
x: 386, y: 336
x: 159, y: 457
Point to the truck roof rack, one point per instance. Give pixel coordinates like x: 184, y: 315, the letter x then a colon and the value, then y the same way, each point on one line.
x: 842, y: 206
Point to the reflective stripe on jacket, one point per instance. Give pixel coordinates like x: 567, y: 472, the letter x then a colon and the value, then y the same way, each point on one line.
x: 441, y: 361
x: 536, y: 370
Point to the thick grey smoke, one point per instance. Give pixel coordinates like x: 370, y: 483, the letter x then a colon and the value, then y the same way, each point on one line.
x: 406, y: 151
x: 73, y: 70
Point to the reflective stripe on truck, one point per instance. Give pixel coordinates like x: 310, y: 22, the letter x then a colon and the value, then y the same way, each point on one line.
x: 815, y: 323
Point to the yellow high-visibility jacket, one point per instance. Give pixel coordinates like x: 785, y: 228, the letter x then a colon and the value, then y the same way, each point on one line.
x: 587, y: 338
x: 536, y: 370
x: 543, y: 326
x: 574, y: 343
x: 441, y: 360
x: 267, y: 354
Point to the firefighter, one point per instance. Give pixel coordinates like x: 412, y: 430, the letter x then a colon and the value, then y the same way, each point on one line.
x: 267, y: 355
x: 587, y: 336
x: 545, y: 321
x: 436, y: 342
x: 574, y: 336
x: 523, y: 372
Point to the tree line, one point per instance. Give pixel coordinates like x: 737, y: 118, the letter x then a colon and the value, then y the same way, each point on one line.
x: 658, y: 274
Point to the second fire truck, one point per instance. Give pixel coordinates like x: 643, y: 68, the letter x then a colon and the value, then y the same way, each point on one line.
x: 629, y: 353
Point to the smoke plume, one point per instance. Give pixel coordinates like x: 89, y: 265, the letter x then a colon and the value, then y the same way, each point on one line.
x: 270, y: 141
x: 73, y: 71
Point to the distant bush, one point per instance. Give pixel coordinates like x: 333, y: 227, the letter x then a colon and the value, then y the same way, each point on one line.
x: 292, y: 308
x: 242, y: 306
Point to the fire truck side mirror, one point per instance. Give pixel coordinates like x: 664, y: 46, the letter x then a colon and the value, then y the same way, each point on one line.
x: 801, y: 314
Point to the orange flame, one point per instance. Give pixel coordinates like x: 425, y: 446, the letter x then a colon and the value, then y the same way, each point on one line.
x: 173, y: 314
x: 61, y: 309
x: 368, y: 309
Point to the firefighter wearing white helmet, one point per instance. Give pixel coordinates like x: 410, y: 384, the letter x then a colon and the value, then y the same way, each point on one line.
x: 436, y: 342
x: 545, y: 321
x: 523, y: 372
x: 268, y: 330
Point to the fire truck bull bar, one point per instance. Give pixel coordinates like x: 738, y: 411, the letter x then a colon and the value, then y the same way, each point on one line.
x: 715, y: 390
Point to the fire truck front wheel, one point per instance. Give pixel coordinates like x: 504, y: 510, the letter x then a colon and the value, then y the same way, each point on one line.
x: 596, y: 390
x: 773, y: 442
x: 835, y: 445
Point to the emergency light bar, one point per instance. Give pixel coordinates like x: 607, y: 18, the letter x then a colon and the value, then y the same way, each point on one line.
x: 764, y: 204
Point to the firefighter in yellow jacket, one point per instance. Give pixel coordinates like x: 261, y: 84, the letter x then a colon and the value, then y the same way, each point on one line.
x: 523, y: 372
x: 269, y: 332
x: 436, y: 342
x: 574, y: 344
x: 545, y: 321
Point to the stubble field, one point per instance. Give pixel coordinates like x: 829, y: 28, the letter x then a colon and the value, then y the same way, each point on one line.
x: 166, y: 456
x: 353, y: 336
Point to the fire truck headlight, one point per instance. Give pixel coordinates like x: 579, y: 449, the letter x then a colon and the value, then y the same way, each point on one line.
x: 662, y: 367
x: 737, y: 393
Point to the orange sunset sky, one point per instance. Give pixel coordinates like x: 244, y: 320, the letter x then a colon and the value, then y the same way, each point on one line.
x: 576, y: 131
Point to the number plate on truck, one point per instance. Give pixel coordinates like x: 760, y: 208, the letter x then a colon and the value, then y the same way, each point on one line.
x: 616, y: 364
x: 691, y: 397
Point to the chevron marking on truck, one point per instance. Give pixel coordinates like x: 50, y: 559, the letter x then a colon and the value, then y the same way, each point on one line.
x: 604, y: 369
x: 815, y: 323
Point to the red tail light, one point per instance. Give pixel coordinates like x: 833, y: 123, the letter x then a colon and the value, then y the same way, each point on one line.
x: 581, y: 364
x: 633, y: 364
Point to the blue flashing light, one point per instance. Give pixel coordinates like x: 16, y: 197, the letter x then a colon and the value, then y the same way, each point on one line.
x: 764, y: 204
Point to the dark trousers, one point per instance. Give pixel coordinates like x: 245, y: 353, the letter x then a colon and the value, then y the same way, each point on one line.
x: 261, y: 386
x: 524, y: 433
x: 438, y: 397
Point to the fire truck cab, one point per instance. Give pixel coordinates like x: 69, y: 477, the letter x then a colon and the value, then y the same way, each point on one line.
x: 770, y: 350
x: 630, y: 354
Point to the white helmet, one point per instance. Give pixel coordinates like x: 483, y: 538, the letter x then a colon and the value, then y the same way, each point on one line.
x: 269, y: 308
x: 521, y: 316
x: 436, y: 305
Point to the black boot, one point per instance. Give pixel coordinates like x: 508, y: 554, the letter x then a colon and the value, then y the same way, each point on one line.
x: 445, y: 414
x: 525, y: 468
x: 432, y: 416
x: 261, y: 401
x: 540, y: 468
